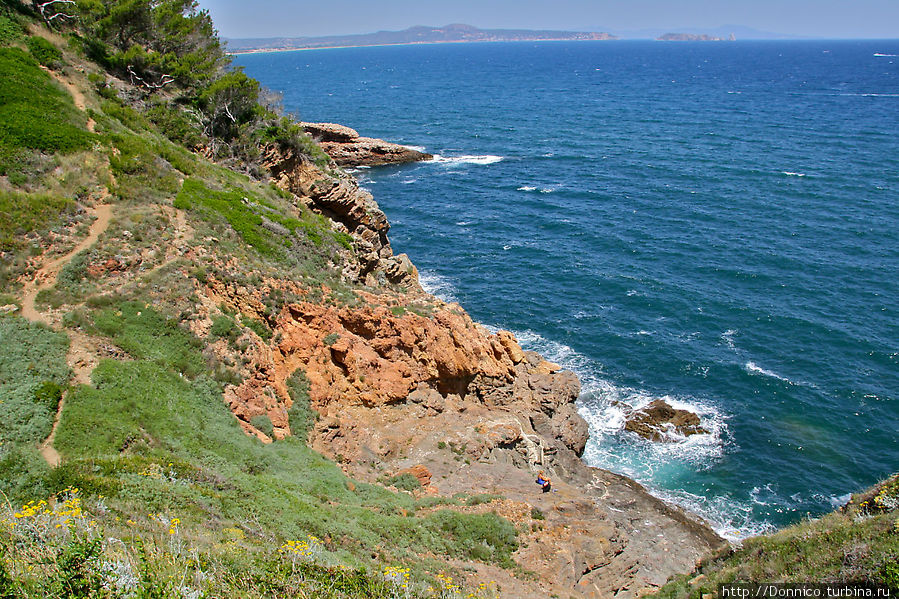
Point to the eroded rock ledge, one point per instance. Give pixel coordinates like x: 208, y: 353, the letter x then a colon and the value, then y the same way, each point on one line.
x: 347, y: 148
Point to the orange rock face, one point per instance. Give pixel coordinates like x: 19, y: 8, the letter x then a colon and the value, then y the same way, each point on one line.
x: 371, y: 357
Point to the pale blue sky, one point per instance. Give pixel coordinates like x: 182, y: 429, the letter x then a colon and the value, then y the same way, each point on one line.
x: 811, y: 18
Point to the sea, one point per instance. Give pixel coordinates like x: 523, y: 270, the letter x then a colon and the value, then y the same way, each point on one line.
x: 713, y: 224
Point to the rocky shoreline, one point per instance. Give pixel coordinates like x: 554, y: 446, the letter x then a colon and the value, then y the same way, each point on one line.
x: 408, y: 383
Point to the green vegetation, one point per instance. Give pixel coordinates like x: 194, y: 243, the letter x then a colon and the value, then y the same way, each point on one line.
x: 10, y: 30
x: 224, y: 327
x: 859, y: 545
x: 405, y: 481
x: 301, y: 417
x: 24, y: 213
x: 35, y: 114
x: 258, y: 327
x: 33, y: 372
x: 258, y: 223
x: 44, y: 52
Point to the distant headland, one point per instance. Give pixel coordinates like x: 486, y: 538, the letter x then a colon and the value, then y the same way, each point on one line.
x: 414, y: 35
x: 694, y: 37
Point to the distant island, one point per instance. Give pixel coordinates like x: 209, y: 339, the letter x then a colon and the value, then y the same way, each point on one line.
x: 694, y: 37
x: 414, y: 35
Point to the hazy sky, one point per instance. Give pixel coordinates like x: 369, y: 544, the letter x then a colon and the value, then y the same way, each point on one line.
x: 813, y: 18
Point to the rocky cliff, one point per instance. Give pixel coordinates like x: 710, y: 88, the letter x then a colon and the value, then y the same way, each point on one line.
x: 407, y: 383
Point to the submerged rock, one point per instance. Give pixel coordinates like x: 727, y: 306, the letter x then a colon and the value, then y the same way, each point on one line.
x: 661, y: 423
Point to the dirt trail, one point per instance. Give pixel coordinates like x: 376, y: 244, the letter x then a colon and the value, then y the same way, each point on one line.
x: 77, y: 97
x: 46, y: 275
x: 44, y: 278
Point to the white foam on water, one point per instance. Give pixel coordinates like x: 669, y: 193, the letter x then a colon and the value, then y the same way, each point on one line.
x: 605, y: 405
x: 890, y: 55
x: 438, y: 286
x: 753, y: 368
x: 548, y: 189
x: 728, y: 337
x: 870, y: 95
x: 416, y: 148
x: 451, y: 160
x: 730, y: 518
x: 527, y: 188
x: 792, y: 174
x: 838, y: 501
x: 409, y: 181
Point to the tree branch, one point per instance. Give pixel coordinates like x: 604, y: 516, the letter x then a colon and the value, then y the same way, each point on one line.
x: 46, y: 5
x: 163, y: 81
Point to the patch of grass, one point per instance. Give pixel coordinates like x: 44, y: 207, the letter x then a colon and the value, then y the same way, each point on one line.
x: 33, y: 370
x: 10, y: 30
x: 148, y: 335
x: 35, y: 113
x: 125, y: 115
x: 258, y: 327
x: 24, y: 213
x: 224, y: 327
x: 259, y: 223
x: 483, y: 537
x: 330, y: 339
x: 230, y: 205
x: 44, y: 52
x: 263, y: 424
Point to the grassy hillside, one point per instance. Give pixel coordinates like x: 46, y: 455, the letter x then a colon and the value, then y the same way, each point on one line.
x: 858, y: 545
x: 160, y: 492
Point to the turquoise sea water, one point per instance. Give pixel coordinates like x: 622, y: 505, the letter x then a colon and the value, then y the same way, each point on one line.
x: 716, y: 224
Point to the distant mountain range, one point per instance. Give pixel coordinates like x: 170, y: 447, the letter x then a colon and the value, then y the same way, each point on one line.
x: 413, y: 35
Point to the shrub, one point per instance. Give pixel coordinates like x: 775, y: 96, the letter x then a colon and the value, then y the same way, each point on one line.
x: 263, y: 424
x: 259, y: 327
x: 224, y: 327
x: 44, y: 52
x: 405, y: 481
x: 10, y: 30
x: 146, y: 334
x: 301, y: 416
x: 48, y: 394
x: 176, y: 124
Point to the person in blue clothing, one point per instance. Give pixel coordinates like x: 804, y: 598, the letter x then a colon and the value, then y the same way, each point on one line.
x: 544, y: 482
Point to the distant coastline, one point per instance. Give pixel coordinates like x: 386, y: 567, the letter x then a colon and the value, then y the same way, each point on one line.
x: 450, y: 34
x: 273, y: 50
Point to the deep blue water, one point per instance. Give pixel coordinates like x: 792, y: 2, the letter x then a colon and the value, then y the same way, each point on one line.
x: 717, y: 224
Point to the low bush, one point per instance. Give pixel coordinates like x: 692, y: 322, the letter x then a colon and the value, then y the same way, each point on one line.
x: 405, y: 481
x: 263, y: 424
x: 301, y: 416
